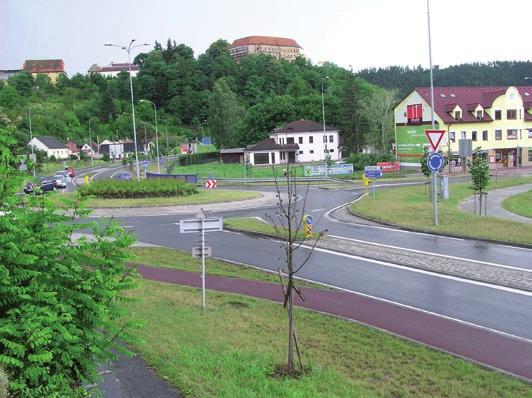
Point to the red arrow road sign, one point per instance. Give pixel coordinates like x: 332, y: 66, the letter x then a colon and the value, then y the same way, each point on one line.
x: 210, y: 184
x: 435, y: 137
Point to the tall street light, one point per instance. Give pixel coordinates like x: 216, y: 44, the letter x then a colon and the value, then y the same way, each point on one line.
x: 128, y: 51
x: 326, y: 154
x: 33, y: 159
x: 90, y: 140
x: 156, y: 134
x: 434, y: 174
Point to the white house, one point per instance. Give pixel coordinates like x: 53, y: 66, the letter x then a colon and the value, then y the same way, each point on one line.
x: 51, y: 145
x: 114, y: 69
x: 301, y: 141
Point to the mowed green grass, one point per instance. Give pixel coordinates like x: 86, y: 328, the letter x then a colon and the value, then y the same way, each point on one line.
x: 409, y: 207
x: 231, y: 349
x: 182, y: 260
x: 234, y: 170
x: 202, y: 197
x: 519, y: 204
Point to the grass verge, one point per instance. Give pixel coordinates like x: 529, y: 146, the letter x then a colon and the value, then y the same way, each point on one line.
x: 204, y: 196
x: 231, y: 349
x: 252, y: 224
x: 519, y: 204
x: 410, y: 207
x: 181, y: 260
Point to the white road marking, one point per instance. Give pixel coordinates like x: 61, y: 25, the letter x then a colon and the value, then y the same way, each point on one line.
x: 421, y: 271
x: 432, y: 254
x: 390, y: 302
x: 317, y: 210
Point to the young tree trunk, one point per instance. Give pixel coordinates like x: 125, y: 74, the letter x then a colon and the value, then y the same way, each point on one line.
x: 291, y: 366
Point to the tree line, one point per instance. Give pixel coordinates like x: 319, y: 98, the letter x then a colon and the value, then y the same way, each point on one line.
x: 236, y: 103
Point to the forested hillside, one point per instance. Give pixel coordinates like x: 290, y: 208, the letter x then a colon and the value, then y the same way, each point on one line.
x: 498, y: 73
x: 237, y: 104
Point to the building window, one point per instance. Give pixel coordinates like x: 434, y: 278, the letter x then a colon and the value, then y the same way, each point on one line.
x: 511, y: 134
x: 452, y: 136
x: 311, y: 139
x: 530, y: 155
x: 311, y: 151
x: 324, y: 139
x: 480, y: 115
x: 290, y: 140
x: 331, y: 138
x: 529, y: 133
x: 301, y: 152
x: 300, y: 139
x: 474, y: 135
x: 511, y: 114
x: 457, y: 115
x: 484, y: 135
x: 463, y: 135
x: 498, y: 135
x: 498, y: 115
x: 331, y: 150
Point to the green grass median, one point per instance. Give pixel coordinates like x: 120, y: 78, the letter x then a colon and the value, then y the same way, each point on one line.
x: 519, y: 204
x: 410, y: 207
x: 231, y: 349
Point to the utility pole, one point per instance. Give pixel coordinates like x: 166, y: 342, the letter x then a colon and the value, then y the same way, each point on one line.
x: 326, y: 154
x: 434, y: 174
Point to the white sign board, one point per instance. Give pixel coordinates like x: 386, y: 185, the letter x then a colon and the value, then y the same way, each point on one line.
x: 315, y: 171
x: 196, y: 251
x: 341, y: 168
x: 193, y: 225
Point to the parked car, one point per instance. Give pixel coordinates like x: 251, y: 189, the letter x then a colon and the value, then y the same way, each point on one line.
x: 47, y: 184
x: 29, y: 188
x: 62, y: 173
x: 123, y: 176
x: 60, y: 181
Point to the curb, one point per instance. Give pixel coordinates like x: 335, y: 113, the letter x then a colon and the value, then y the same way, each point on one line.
x: 444, y: 234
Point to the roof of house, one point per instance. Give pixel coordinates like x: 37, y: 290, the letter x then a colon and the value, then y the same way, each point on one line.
x: 265, y: 40
x: 44, y: 65
x: 232, y: 150
x: 269, y: 144
x: 51, y: 142
x: 468, y: 98
x: 302, y: 126
x: 72, y: 146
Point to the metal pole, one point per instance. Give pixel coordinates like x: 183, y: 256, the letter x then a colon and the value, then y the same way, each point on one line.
x: 133, y: 112
x: 434, y: 176
x: 33, y: 159
x: 324, y: 133
x: 90, y: 142
x: 166, y: 131
x: 203, y: 263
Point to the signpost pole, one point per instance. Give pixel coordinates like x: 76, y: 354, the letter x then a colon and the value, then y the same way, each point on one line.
x: 434, y: 177
x: 203, y: 263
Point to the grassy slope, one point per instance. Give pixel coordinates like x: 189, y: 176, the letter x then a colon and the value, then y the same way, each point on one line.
x: 204, y: 196
x: 409, y: 207
x: 519, y: 204
x: 231, y: 349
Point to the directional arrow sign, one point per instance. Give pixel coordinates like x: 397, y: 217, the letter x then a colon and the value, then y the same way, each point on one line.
x: 435, y: 137
x: 210, y: 184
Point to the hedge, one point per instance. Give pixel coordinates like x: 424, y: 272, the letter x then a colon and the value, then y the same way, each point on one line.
x: 116, y: 189
x: 360, y: 160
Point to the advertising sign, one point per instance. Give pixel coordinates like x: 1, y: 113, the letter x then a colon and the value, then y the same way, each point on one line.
x: 387, y: 167
x: 315, y: 171
x: 372, y: 172
x: 321, y: 170
x: 410, y: 141
x: 341, y: 168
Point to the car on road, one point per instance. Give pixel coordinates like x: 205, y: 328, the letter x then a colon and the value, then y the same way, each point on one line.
x: 47, y: 184
x: 123, y: 176
x: 60, y: 181
x: 29, y: 188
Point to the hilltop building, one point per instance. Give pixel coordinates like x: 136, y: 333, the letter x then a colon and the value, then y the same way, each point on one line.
x: 496, y: 119
x: 53, y: 68
x: 114, y: 69
x: 279, y: 47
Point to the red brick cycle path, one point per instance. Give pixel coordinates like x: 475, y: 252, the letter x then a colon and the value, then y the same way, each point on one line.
x: 511, y: 355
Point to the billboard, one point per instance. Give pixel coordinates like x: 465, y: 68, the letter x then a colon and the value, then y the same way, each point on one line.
x: 411, y: 140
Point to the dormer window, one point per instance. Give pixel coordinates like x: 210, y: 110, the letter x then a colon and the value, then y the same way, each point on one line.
x: 458, y: 115
x: 480, y: 114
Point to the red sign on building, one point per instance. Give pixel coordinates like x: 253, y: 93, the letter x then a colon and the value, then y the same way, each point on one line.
x: 414, y: 113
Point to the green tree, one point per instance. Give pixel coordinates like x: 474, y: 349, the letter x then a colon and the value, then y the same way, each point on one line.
x: 225, y: 115
x: 9, y: 98
x: 23, y: 83
x: 58, y: 295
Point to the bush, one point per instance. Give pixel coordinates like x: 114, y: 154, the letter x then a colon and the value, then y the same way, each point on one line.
x: 361, y: 160
x: 113, y: 189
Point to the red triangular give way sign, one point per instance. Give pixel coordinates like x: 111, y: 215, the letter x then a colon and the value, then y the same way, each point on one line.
x: 435, y: 137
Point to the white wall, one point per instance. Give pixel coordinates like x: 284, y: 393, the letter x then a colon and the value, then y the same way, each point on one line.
x: 61, y: 153
x: 318, y: 146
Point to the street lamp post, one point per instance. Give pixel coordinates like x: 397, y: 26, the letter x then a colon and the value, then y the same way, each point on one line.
x: 166, y: 133
x: 156, y: 135
x: 90, y: 140
x: 434, y: 175
x: 128, y: 51
x: 326, y: 153
x: 33, y: 159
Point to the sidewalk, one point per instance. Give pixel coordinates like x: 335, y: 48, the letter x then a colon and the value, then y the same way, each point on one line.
x: 494, y: 203
x: 495, y: 350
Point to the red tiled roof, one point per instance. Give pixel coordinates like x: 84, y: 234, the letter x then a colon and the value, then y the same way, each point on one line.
x: 72, y: 146
x: 44, y: 65
x: 265, y: 40
x: 446, y: 98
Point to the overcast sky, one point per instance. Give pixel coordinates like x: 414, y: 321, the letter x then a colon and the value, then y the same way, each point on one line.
x: 360, y: 33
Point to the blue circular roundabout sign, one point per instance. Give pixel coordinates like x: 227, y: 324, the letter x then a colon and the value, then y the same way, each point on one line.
x: 435, y: 162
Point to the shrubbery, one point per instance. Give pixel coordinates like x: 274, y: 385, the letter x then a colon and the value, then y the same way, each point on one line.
x: 113, y: 189
x: 360, y: 160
